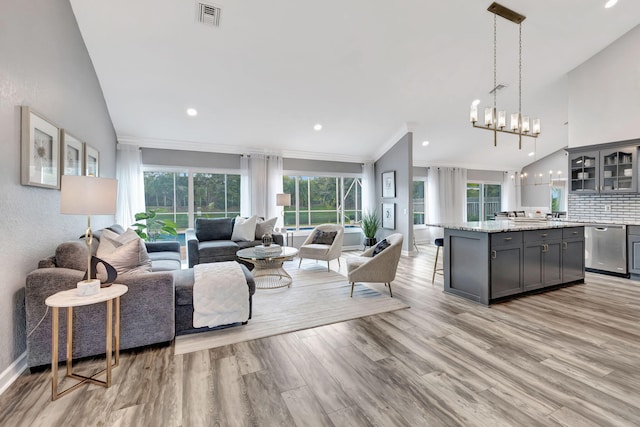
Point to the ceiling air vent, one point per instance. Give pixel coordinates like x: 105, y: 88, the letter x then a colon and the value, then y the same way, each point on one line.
x: 208, y: 14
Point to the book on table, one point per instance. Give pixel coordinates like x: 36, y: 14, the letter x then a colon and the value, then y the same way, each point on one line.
x: 268, y: 250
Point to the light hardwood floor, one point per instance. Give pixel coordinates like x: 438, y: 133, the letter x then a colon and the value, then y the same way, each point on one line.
x: 569, y: 357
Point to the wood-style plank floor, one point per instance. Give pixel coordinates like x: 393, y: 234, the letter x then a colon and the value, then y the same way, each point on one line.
x: 570, y: 357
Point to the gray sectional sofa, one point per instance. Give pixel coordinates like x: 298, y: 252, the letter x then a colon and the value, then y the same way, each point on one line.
x: 157, y: 306
x: 211, y: 241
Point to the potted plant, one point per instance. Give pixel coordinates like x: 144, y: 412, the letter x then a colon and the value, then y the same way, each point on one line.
x: 153, y: 227
x: 370, y: 224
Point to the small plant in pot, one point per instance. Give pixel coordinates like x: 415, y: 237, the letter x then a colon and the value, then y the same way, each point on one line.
x: 153, y: 227
x: 370, y: 224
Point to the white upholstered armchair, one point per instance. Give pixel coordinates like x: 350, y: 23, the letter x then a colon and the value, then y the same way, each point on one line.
x: 322, y: 244
x: 380, y: 268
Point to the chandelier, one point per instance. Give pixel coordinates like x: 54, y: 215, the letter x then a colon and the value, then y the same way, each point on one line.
x: 495, y: 120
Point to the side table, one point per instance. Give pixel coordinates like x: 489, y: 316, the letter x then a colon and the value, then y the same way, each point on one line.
x: 69, y: 299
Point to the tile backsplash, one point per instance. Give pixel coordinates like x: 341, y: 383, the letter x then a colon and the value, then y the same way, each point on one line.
x: 624, y: 208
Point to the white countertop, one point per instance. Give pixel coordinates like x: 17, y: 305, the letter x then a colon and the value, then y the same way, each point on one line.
x: 500, y: 226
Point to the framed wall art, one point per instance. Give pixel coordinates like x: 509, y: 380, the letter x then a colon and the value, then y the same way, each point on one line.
x: 389, y: 216
x: 72, y: 154
x: 40, y: 141
x: 389, y: 184
x: 91, y: 161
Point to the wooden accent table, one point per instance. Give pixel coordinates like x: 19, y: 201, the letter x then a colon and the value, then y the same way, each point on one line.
x: 69, y: 299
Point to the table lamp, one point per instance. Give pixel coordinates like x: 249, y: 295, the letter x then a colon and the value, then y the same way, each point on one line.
x: 88, y: 195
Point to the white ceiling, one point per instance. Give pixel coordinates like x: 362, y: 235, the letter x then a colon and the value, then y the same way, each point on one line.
x: 365, y: 69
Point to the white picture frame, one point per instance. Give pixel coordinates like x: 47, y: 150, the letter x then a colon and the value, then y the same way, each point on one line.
x: 91, y: 161
x: 40, y: 140
x: 72, y: 155
x: 389, y: 184
x: 389, y: 216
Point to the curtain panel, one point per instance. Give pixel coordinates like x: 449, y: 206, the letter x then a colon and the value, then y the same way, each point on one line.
x: 130, y: 184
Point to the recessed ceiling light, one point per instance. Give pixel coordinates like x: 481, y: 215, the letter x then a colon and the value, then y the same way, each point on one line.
x: 192, y: 112
x: 531, y: 153
x: 475, y: 102
x: 610, y: 3
x: 425, y: 143
x: 317, y: 127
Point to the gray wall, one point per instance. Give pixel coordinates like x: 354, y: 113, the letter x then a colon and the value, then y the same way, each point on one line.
x: 44, y: 64
x: 320, y: 166
x: 399, y: 159
x: 484, y: 176
x: 193, y: 159
x: 603, y: 107
x: 540, y: 195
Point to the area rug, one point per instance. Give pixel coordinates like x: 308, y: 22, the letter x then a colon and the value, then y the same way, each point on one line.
x: 316, y: 297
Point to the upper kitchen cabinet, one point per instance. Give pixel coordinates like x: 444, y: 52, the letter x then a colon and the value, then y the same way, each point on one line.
x: 583, y: 169
x: 612, y: 168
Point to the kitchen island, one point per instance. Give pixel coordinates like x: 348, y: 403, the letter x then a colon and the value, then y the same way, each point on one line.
x: 491, y: 261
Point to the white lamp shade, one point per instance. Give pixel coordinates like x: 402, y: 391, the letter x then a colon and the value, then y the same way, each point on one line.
x: 88, y: 195
x: 283, y: 199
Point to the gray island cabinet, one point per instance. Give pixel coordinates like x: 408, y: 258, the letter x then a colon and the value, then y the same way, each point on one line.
x: 491, y: 261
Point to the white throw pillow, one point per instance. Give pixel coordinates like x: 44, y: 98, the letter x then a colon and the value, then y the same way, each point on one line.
x: 131, y: 257
x: 244, y: 229
x: 110, y: 241
x: 126, y: 252
x: 265, y: 226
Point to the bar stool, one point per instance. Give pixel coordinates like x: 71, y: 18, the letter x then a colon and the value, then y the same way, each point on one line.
x: 439, y: 243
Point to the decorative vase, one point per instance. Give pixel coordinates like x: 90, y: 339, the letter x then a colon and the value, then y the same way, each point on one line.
x: 267, y: 240
x: 370, y: 241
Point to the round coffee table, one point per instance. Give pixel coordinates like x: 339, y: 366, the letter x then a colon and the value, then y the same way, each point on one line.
x: 268, y: 270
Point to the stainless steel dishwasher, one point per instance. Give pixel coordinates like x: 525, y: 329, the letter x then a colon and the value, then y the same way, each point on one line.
x: 606, y: 248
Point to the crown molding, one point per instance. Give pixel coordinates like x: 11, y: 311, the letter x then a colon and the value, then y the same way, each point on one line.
x: 170, y: 144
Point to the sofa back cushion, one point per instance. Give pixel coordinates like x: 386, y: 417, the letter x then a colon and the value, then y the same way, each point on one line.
x: 214, y: 228
x: 72, y: 255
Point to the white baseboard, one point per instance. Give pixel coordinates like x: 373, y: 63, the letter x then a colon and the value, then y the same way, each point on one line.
x: 13, y: 372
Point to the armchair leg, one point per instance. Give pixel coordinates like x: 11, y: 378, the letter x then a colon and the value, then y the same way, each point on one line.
x: 352, y: 285
x: 328, y: 268
x: 339, y: 266
x: 300, y: 263
x: 390, y: 293
x: 435, y: 265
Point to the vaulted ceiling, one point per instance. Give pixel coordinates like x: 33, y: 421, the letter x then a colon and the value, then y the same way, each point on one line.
x: 367, y: 70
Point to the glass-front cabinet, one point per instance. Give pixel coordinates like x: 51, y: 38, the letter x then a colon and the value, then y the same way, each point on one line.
x: 606, y: 171
x: 584, y: 172
x: 618, y: 170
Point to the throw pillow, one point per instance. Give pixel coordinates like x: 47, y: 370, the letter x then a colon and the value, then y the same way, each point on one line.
x: 110, y: 241
x: 324, y: 237
x: 380, y: 247
x: 265, y: 226
x: 131, y: 257
x: 244, y: 229
x: 214, y: 229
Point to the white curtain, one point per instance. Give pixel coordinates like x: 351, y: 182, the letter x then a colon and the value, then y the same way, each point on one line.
x: 130, y: 184
x: 245, y: 187
x: 447, y: 194
x: 509, y: 200
x: 265, y: 178
x: 368, y: 188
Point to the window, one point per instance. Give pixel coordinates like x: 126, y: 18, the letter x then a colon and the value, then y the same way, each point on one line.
x: 213, y: 195
x: 322, y: 200
x: 216, y: 195
x: 483, y: 200
x: 167, y: 192
x: 558, y: 196
x: 419, y: 204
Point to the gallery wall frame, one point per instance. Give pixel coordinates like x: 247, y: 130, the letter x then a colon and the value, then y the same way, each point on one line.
x: 72, y: 154
x: 40, y: 150
x: 389, y: 216
x: 91, y: 161
x: 389, y: 184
